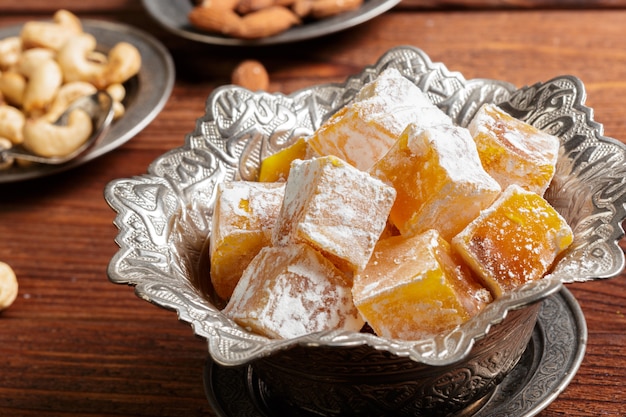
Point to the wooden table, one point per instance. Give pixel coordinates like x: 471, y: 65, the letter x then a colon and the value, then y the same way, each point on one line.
x: 75, y: 344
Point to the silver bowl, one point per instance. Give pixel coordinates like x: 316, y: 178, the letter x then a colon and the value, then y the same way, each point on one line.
x: 164, y: 221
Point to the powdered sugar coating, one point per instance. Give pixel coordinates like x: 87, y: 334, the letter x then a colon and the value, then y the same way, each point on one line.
x: 514, y: 241
x: 334, y: 207
x: 362, y: 132
x: 439, y: 179
x: 244, y: 214
x: 512, y: 151
x: 291, y: 291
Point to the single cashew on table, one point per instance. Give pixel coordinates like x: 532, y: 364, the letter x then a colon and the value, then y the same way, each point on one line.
x: 43, y: 70
x: 8, y: 286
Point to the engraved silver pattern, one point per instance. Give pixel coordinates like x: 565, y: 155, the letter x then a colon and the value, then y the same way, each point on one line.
x: 545, y: 369
x: 164, y: 216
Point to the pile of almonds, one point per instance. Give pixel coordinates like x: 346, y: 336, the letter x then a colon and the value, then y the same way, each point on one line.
x: 254, y: 19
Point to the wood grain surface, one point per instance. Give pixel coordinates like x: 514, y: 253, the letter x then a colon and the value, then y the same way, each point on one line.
x: 74, y: 344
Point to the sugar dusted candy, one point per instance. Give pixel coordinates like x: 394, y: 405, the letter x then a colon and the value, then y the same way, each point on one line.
x: 244, y: 214
x: 361, y: 132
x: 514, y: 241
x: 439, y: 180
x: 290, y: 291
x: 334, y: 207
x: 512, y: 151
x: 416, y: 287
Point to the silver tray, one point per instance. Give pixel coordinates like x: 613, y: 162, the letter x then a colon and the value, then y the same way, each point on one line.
x: 546, y: 368
x: 172, y: 15
x: 146, y: 94
x: 164, y: 216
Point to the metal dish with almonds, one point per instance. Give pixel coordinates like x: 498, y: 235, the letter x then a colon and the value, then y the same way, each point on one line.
x: 164, y: 221
x: 173, y: 16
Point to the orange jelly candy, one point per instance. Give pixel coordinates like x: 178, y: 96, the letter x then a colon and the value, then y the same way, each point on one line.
x: 244, y: 215
x: 514, y: 241
x: 334, y: 207
x: 512, y: 151
x: 439, y: 180
x: 416, y: 287
x: 291, y: 291
x: 364, y: 130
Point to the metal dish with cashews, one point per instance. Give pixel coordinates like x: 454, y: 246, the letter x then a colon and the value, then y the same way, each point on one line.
x: 44, y: 70
x: 45, y: 65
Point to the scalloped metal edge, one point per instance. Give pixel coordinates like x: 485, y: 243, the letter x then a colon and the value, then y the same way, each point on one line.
x: 162, y: 217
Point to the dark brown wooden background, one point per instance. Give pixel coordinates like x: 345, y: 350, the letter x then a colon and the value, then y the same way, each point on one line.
x: 73, y: 344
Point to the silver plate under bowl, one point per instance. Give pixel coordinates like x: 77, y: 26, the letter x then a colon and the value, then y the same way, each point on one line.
x: 547, y: 366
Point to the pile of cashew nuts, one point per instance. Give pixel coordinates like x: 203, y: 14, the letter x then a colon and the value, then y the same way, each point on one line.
x: 43, y: 70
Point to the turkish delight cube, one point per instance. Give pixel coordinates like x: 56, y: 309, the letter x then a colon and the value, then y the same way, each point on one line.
x: 514, y: 241
x: 439, y: 180
x: 416, y: 287
x: 334, y: 207
x: 244, y: 214
x: 363, y: 131
x: 290, y: 291
x: 513, y: 151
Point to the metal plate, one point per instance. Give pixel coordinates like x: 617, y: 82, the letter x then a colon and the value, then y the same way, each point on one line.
x: 172, y: 15
x: 146, y: 93
x: 549, y: 363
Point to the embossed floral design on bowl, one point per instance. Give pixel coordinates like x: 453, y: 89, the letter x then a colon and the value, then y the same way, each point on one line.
x: 164, y: 220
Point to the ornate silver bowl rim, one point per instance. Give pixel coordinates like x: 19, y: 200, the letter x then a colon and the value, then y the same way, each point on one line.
x: 164, y: 216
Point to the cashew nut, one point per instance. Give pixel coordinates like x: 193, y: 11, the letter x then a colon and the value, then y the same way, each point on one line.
x: 49, y: 140
x: 30, y: 59
x: 72, y: 59
x: 12, y: 86
x: 8, y: 286
x: 10, y: 49
x: 50, y: 35
x: 68, y: 20
x: 123, y: 62
x: 42, y: 73
x: 43, y: 84
x: 12, y: 122
x: 65, y: 96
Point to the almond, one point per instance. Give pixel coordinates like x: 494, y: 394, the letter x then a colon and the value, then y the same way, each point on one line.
x: 251, y: 74
x: 216, y: 19
x: 267, y: 22
x: 326, y: 8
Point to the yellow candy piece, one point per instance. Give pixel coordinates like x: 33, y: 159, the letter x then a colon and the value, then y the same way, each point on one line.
x: 514, y: 241
x: 334, y: 207
x: 416, y: 287
x: 439, y: 180
x: 291, y: 291
x: 276, y: 167
x: 243, y: 217
x: 512, y: 151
